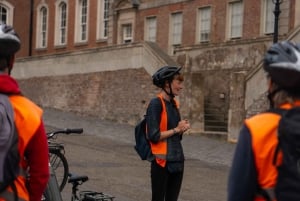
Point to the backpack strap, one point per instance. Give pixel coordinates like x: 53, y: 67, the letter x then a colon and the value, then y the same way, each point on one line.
x: 280, y: 112
x: 4, y: 101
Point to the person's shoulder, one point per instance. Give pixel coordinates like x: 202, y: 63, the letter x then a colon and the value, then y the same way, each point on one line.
x: 155, y: 102
x: 267, y: 115
x: 266, y: 120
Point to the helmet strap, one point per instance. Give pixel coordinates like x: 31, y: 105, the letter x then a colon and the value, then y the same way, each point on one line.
x: 170, y: 93
x: 11, y: 63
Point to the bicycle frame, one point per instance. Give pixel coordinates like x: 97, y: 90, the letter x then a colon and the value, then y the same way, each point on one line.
x: 52, y: 192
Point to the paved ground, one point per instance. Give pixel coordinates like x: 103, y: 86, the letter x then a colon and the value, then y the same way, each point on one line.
x: 105, y: 153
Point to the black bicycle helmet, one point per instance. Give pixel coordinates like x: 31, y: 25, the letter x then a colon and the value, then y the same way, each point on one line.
x: 282, y: 62
x: 164, y: 74
x: 9, y: 40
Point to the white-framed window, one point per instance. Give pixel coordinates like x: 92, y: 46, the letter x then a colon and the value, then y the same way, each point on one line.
x: 6, y: 13
x: 81, y: 22
x: 268, y: 16
x: 150, y: 29
x: 42, y: 26
x: 103, y: 19
x: 3, y: 14
x: 235, y: 19
x: 176, y: 28
x: 204, y: 21
x: 127, y: 33
x: 61, y: 23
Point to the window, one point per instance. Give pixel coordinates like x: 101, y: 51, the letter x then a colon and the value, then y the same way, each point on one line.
x: 127, y: 33
x: 61, y: 24
x: 103, y: 19
x: 6, y: 12
x: 176, y: 28
x: 3, y: 14
x: 204, y: 24
x: 42, y: 27
x: 150, y: 30
x: 81, y: 30
x: 268, y: 17
x: 235, y: 19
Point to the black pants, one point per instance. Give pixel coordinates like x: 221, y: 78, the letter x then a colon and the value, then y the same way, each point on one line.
x: 165, y: 185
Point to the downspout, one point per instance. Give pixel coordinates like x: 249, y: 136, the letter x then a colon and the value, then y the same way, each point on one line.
x: 30, y: 28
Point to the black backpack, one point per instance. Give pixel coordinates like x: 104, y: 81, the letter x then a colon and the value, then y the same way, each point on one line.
x: 142, y: 145
x: 288, y: 181
x: 9, y: 154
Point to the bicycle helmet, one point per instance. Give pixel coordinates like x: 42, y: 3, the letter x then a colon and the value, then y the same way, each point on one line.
x: 164, y: 74
x: 9, y: 40
x: 282, y: 62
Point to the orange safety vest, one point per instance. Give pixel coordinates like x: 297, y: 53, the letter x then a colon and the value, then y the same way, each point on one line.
x: 263, y: 129
x: 27, y: 117
x: 159, y: 149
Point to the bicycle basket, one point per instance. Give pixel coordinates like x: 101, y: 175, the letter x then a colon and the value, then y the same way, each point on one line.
x: 95, y: 196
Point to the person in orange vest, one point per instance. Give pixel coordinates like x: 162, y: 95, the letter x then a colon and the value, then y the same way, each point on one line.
x: 253, y: 175
x: 32, y: 141
x: 164, y: 130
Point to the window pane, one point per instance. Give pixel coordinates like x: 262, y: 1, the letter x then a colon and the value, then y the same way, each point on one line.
x: 205, y: 22
x: 63, y: 22
x: 83, y: 20
x: 3, y: 15
x: 151, y: 29
x: 105, y: 17
x: 236, y: 19
x: 127, y: 33
x: 177, y: 28
x: 269, y: 19
x: 43, y: 27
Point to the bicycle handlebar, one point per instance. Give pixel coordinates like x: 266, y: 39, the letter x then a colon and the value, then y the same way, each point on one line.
x: 65, y: 131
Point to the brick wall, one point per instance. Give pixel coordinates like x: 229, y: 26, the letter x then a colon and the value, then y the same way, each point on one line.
x: 120, y: 96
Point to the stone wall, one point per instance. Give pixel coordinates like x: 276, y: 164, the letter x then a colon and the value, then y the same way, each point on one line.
x: 120, y: 96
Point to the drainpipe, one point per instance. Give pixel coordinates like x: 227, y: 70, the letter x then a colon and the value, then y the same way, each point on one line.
x: 30, y: 28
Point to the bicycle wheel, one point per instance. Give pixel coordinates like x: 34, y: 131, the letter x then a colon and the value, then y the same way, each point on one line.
x: 60, y: 165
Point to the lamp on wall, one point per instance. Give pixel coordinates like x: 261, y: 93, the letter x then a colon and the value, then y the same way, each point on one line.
x: 276, y: 14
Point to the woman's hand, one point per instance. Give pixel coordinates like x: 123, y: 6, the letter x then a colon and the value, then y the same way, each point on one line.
x: 183, y: 126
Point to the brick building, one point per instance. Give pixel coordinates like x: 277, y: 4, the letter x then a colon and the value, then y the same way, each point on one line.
x: 220, y: 44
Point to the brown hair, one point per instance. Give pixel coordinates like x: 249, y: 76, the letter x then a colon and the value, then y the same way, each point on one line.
x: 283, y: 96
x: 178, y: 77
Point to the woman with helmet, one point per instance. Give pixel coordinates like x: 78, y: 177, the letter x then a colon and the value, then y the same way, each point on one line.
x: 253, y: 175
x: 33, y: 147
x: 164, y: 129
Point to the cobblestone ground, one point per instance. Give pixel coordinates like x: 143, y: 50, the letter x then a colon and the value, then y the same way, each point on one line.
x: 105, y: 153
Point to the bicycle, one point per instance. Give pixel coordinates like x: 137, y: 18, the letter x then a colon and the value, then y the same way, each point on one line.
x: 57, y: 157
x: 77, y: 195
x: 58, y: 166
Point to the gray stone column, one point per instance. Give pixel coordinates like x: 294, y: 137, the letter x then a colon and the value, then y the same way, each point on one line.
x: 236, y: 112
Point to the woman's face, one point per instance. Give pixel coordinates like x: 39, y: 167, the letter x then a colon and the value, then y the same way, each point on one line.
x: 176, y: 86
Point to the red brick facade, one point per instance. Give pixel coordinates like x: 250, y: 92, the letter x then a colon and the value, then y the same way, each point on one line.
x: 23, y: 24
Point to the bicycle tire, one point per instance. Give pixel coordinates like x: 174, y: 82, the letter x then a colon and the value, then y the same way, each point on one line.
x: 60, y: 166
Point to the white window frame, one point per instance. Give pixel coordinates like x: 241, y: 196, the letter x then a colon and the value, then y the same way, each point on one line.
x: 235, y: 19
x: 127, y: 33
x: 81, y: 22
x: 42, y: 26
x: 61, y: 25
x: 204, y: 24
x: 268, y: 17
x: 103, y: 19
x: 150, y: 28
x: 9, y: 12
